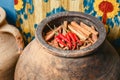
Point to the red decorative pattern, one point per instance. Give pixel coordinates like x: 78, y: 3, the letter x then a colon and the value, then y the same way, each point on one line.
x: 15, y: 2
x: 105, y: 7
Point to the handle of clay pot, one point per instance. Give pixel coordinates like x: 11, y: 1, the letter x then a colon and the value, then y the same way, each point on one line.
x: 15, y: 32
x: 2, y: 16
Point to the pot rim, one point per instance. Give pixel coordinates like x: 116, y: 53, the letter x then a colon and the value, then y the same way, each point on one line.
x: 71, y: 53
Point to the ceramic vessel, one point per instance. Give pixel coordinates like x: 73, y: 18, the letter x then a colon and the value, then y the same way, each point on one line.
x: 11, y: 45
x: 40, y: 61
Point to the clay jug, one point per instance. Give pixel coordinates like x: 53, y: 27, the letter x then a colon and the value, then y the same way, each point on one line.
x: 40, y: 61
x: 11, y: 45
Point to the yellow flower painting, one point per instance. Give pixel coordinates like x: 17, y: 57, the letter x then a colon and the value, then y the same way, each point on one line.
x: 106, y: 8
x: 18, y: 4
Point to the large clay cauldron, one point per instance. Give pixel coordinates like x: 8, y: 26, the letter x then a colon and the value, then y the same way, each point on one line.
x: 40, y: 61
x: 11, y: 45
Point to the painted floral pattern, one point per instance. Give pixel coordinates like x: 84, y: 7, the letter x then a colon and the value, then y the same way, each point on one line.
x: 56, y: 10
x: 18, y: 4
x: 108, y: 11
x: 24, y: 8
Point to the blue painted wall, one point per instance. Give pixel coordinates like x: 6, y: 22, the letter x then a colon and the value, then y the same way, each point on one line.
x: 8, y: 5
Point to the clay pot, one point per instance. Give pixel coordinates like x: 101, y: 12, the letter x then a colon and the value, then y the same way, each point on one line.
x: 40, y: 61
x: 11, y: 45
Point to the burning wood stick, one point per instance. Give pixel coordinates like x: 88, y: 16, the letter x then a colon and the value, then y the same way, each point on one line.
x: 66, y: 48
x: 93, y: 27
x: 64, y: 27
x: 91, y: 40
x: 88, y: 28
x: 52, y: 33
x: 55, y: 43
x: 94, y: 37
x: 83, y: 30
x: 78, y: 33
x: 65, y: 24
x: 89, y: 44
